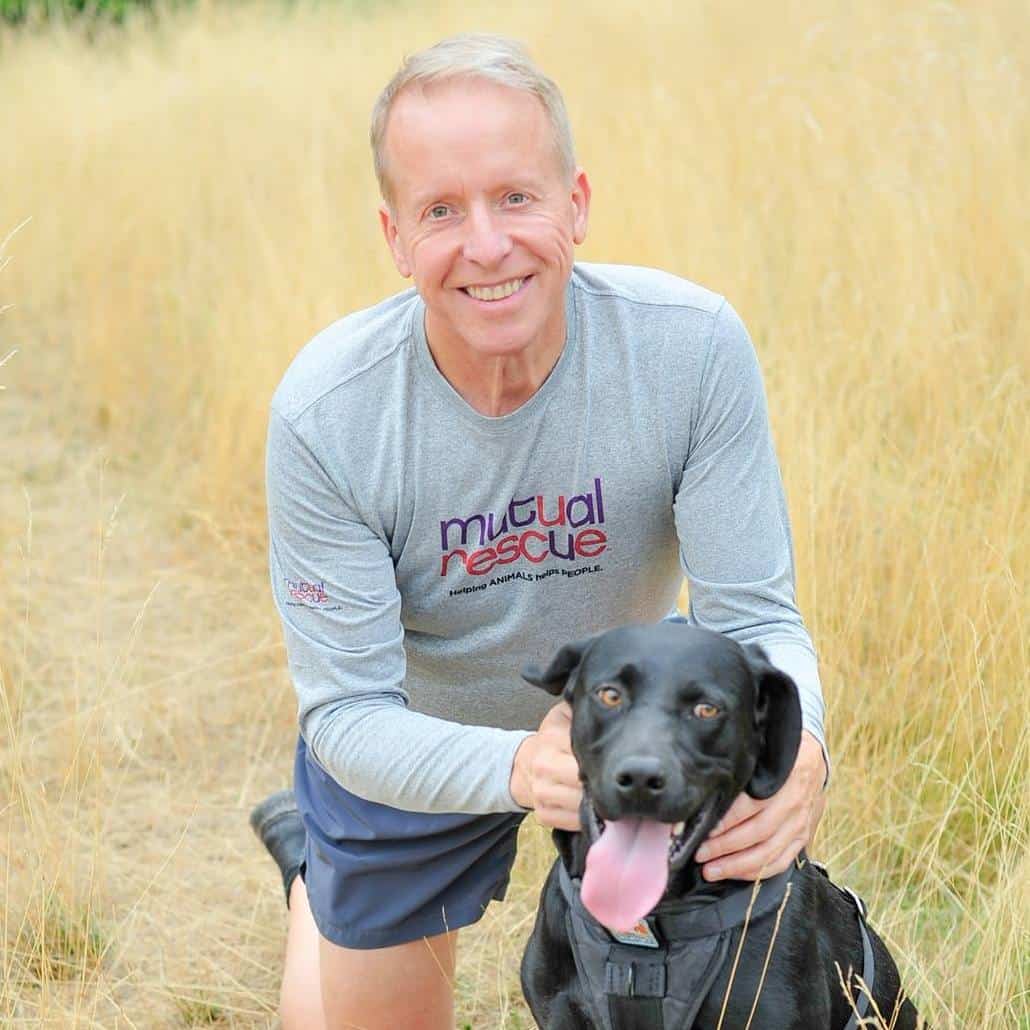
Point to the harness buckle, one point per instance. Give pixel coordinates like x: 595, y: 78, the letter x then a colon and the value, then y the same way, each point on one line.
x: 859, y: 903
x: 634, y: 973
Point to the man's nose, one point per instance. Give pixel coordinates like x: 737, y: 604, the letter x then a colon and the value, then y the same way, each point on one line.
x: 486, y: 240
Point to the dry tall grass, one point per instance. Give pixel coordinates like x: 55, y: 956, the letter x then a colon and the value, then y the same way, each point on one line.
x: 852, y: 177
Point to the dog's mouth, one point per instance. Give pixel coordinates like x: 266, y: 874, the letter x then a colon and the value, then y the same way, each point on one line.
x: 684, y: 837
x: 630, y: 860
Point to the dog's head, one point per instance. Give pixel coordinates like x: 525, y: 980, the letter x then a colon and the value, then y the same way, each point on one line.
x: 669, y: 724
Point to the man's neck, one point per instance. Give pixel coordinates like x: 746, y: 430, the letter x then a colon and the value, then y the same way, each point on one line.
x: 495, y: 386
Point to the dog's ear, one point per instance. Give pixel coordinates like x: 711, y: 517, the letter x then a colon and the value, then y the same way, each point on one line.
x: 557, y: 677
x: 777, y: 724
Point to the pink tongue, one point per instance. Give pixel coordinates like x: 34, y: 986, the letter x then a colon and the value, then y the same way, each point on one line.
x: 626, y: 872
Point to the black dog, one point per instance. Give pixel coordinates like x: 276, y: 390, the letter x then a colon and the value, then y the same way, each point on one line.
x: 669, y: 724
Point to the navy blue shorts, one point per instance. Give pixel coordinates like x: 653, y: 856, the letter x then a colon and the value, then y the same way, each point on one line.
x: 377, y: 876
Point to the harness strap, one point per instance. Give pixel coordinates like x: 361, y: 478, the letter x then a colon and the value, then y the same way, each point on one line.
x: 868, y: 961
x: 868, y: 970
x: 635, y: 984
x: 636, y: 1013
x: 707, y: 916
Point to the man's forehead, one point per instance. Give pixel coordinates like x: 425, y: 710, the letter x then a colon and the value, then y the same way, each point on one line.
x: 474, y: 142
x: 431, y: 184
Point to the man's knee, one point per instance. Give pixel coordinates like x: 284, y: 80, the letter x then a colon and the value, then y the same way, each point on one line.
x: 297, y: 1012
x: 300, y: 998
x: 360, y: 987
x: 325, y: 986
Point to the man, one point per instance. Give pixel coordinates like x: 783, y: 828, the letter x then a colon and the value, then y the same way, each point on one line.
x: 510, y: 456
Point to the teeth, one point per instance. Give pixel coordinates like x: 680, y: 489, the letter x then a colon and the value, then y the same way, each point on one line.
x: 494, y: 292
x: 678, y: 829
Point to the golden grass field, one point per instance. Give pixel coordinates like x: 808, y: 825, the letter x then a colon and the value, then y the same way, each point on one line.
x: 185, y: 205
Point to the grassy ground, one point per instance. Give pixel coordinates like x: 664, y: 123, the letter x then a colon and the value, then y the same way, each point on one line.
x: 201, y: 201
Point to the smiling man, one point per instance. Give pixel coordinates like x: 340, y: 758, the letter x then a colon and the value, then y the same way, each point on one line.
x: 518, y: 452
x: 484, y: 217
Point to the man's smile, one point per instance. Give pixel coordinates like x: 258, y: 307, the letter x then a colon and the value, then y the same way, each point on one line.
x: 498, y: 293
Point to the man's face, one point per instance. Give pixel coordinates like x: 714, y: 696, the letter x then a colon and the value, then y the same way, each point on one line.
x: 479, y: 201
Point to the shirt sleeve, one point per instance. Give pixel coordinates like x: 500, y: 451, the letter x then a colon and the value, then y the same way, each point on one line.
x: 334, y: 587
x: 731, y: 516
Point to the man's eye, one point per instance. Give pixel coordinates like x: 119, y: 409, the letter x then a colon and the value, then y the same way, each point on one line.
x: 437, y: 207
x: 610, y: 697
x: 705, y: 710
x: 524, y: 197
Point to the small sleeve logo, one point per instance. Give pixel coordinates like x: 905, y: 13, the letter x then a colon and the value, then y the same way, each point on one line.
x: 303, y: 592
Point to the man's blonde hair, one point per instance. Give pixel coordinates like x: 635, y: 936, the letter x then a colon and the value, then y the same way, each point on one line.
x: 473, y: 55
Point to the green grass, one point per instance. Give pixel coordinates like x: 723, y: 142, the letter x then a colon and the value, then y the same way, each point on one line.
x: 60, y: 943
x: 15, y: 12
x: 199, y: 1012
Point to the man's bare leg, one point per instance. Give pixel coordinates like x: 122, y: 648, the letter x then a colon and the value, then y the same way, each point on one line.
x: 300, y: 999
x: 326, y: 987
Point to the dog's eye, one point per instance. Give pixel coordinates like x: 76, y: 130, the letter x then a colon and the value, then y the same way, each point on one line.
x: 610, y: 697
x: 705, y: 710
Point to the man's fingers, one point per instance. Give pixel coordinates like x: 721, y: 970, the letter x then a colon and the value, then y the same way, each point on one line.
x: 557, y: 727
x: 557, y: 767
x: 559, y: 715
x: 763, y: 860
x: 743, y: 807
x: 558, y: 805
x: 760, y: 827
x: 559, y: 819
x: 556, y: 788
x: 558, y: 795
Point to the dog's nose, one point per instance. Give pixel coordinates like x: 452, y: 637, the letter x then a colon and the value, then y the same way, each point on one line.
x: 640, y: 777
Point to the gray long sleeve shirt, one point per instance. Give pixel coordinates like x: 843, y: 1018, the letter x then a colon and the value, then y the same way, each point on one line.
x: 421, y: 552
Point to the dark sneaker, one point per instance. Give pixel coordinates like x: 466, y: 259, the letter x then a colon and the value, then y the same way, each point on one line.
x: 279, y: 827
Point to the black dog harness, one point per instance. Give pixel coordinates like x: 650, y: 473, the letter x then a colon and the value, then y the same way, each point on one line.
x: 658, y: 976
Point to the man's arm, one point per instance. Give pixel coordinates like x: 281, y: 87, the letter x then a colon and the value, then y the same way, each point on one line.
x: 334, y: 586
x: 737, y: 554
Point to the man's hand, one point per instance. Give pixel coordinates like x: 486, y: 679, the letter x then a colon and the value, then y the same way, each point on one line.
x: 761, y: 838
x: 545, y: 775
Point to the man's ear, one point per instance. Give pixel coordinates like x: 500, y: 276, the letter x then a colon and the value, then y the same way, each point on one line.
x: 557, y: 678
x: 390, y: 233
x: 777, y: 724
x: 581, y: 206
